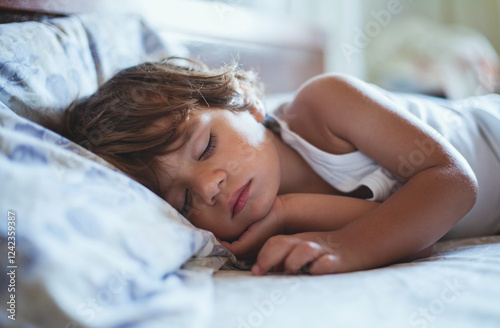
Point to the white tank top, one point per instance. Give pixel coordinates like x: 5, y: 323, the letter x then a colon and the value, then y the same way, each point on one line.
x: 472, y: 126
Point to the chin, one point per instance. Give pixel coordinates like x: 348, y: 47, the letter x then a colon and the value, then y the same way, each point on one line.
x: 268, y: 202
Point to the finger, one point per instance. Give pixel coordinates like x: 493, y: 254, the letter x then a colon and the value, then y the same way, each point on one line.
x: 301, y: 254
x: 225, y: 244
x: 239, y: 250
x: 241, y: 247
x: 252, y: 239
x: 273, y: 253
x: 328, y: 263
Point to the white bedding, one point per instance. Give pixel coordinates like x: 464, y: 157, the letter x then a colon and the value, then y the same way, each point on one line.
x: 458, y: 286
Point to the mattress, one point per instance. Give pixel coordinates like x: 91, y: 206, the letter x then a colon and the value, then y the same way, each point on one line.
x: 455, y: 287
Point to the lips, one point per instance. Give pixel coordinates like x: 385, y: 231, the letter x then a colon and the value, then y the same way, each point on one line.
x: 239, y: 199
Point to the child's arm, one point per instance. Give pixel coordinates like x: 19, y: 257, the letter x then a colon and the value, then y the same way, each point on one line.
x: 296, y: 220
x: 296, y: 213
x: 340, y: 114
x: 320, y: 212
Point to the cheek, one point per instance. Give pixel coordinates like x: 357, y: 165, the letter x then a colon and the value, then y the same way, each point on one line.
x: 199, y: 218
x: 206, y: 218
x: 248, y: 129
x: 268, y: 196
x: 246, y: 152
x: 217, y: 226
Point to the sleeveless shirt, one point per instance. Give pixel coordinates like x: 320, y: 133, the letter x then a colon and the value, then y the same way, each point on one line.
x: 471, y: 125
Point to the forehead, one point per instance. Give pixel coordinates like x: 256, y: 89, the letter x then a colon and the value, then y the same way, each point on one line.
x: 184, y: 130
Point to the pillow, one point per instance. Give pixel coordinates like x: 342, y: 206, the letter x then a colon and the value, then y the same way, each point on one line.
x: 85, y: 232
x: 44, y: 66
x: 92, y: 246
x: 273, y: 101
x: 136, y: 43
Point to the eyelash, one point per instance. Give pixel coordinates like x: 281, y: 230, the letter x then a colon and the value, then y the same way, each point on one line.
x: 187, y: 204
x: 206, y: 154
x: 210, y: 148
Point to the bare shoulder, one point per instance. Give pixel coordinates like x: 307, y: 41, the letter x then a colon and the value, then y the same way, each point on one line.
x: 336, y: 97
x: 340, y: 114
x: 306, y: 114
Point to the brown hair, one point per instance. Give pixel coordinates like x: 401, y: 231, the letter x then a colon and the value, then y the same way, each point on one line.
x: 134, y: 117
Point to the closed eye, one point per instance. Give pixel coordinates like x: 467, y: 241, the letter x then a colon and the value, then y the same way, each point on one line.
x: 209, y: 150
x: 187, y: 204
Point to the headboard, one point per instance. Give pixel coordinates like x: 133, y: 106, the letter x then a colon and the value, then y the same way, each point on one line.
x: 282, y: 51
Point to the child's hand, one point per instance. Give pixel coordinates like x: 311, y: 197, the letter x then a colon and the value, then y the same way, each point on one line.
x: 294, y: 253
x: 251, y: 241
x: 316, y: 253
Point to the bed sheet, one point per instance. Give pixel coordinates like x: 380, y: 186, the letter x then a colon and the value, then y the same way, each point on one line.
x: 455, y: 287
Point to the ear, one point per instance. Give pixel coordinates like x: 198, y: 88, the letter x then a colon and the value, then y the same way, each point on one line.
x: 258, y: 111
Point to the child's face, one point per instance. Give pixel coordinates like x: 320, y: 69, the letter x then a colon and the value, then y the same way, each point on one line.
x: 227, y: 175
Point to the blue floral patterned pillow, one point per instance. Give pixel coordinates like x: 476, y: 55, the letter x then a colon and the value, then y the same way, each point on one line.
x: 92, y: 246
x: 44, y: 66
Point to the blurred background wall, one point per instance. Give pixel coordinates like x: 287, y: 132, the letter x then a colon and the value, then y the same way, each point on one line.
x: 441, y: 47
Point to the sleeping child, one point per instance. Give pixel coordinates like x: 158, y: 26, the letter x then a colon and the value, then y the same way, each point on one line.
x: 343, y: 177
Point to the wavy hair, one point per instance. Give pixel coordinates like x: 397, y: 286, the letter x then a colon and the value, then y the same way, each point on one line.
x: 139, y: 113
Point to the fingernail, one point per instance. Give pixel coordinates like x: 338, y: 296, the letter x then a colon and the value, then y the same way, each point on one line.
x: 256, y: 270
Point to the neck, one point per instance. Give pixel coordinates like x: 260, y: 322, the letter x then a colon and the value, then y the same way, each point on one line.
x: 296, y: 175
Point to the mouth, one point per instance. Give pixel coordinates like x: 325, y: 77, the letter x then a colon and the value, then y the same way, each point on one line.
x: 239, y: 199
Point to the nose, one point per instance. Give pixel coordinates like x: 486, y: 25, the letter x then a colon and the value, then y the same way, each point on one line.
x: 208, y: 184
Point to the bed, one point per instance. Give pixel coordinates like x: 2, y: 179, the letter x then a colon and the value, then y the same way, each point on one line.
x: 84, y: 246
